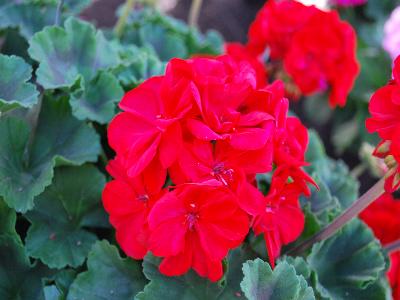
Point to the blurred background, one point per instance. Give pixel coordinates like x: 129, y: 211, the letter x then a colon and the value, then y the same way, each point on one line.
x: 230, y: 17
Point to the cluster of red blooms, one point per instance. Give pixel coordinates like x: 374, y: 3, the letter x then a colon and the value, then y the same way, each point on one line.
x: 383, y: 218
x: 311, y: 45
x: 384, y: 108
x: 383, y: 215
x: 188, y: 145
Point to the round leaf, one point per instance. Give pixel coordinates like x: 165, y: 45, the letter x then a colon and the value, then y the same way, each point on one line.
x: 58, y: 216
x: 14, y: 89
x: 347, y: 262
x: 108, y: 277
x: 65, y: 55
x: 27, y: 168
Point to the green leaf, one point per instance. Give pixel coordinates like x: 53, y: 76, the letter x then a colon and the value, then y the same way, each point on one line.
x: 191, y: 286
x: 52, y: 293
x: 7, y: 219
x: 347, y: 263
x: 14, y: 89
x: 63, y: 280
x: 19, y: 278
x: 169, y: 37
x: 27, y: 168
x: 137, y: 65
x: 234, y: 274
x: 323, y: 205
x: 65, y: 55
x: 29, y: 18
x: 108, y: 277
x: 96, y: 101
x: 187, y: 287
x: 261, y: 283
x: 58, y: 216
x: 338, y: 189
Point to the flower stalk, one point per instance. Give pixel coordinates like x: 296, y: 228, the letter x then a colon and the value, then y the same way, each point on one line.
x: 120, y: 26
x: 194, y: 13
x: 57, y: 20
x: 351, y: 212
x: 393, y: 247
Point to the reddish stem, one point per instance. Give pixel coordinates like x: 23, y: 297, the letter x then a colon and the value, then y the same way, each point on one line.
x: 351, y: 212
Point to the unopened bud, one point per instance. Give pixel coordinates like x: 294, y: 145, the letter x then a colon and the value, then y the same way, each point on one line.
x: 375, y: 164
x: 383, y: 148
x: 390, y: 161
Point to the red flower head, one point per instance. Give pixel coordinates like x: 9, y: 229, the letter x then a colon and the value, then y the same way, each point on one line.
x: 290, y: 143
x: 202, y: 161
x: 307, y: 41
x: 241, y: 53
x: 276, y: 24
x: 225, y: 86
x: 383, y: 218
x: 150, y: 125
x: 195, y: 226
x: 384, y: 108
x: 208, y: 124
x: 129, y: 200
x: 281, y: 220
x: 323, y: 49
x: 394, y: 274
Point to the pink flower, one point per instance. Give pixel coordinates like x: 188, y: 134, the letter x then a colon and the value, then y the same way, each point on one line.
x: 348, y: 2
x: 391, y: 39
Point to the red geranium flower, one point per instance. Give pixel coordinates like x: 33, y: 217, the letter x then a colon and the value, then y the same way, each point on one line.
x: 281, y: 220
x: 290, y: 143
x: 306, y: 40
x: 384, y: 108
x: 195, y: 226
x: 224, y: 87
x: 383, y: 218
x: 322, y: 49
x: 202, y: 161
x: 150, y: 125
x: 276, y: 24
x: 209, y: 125
x: 241, y: 53
x: 394, y: 274
x: 129, y: 200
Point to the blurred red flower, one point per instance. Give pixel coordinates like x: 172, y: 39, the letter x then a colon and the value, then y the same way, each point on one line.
x: 383, y: 218
x: 307, y: 40
x: 384, y: 108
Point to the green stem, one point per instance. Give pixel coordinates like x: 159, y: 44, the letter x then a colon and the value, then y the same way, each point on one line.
x: 194, y: 13
x: 351, y: 212
x: 393, y: 247
x: 57, y: 20
x: 120, y: 26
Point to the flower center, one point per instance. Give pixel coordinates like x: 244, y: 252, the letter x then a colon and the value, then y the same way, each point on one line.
x: 191, y: 219
x: 143, y: 198
x: 222, y: 174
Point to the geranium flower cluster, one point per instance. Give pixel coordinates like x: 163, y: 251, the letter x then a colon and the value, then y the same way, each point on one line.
x: 384, y: 108
x: 383, y: 218
x: 188, y: 146
x: 314, y: 48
